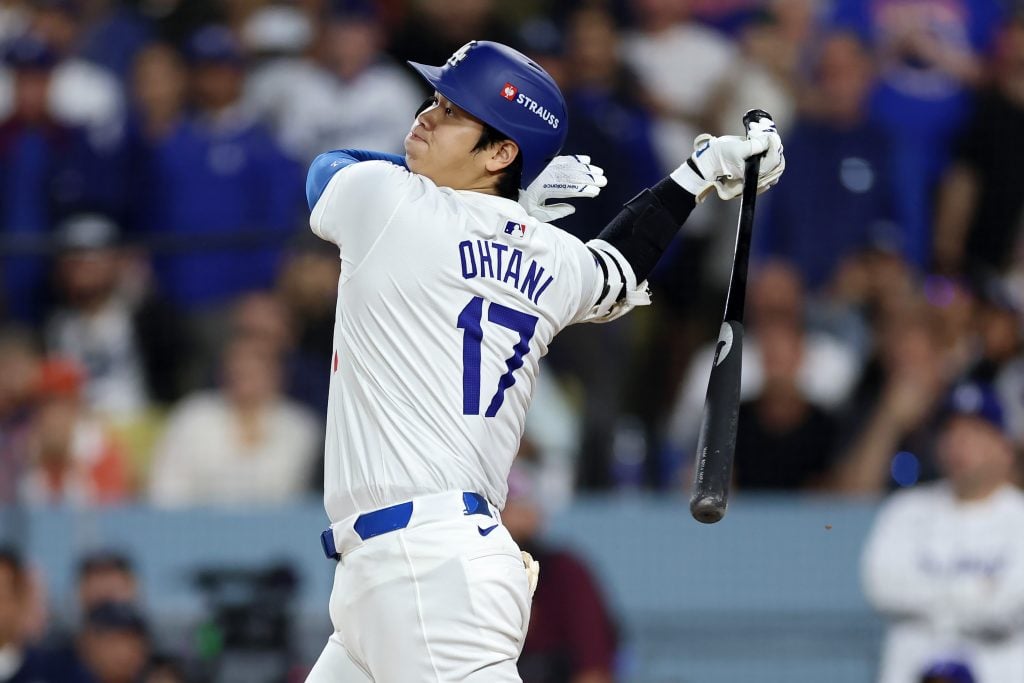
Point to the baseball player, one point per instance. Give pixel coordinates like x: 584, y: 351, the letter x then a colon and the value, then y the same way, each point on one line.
x: 450, y: 293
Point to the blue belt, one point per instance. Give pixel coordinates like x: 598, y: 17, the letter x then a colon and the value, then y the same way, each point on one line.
x: 393, y: 518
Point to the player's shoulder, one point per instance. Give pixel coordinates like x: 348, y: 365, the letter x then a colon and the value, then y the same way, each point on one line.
x: 369, y: 183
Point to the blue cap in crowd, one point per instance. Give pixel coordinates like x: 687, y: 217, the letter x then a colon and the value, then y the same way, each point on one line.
x: 951, y: 672
x: 117, y: 616
x: 365, y: 10
x: 85, y: 232
x: 214, y: 44
x: 30, y: 52
x: 977, y: 400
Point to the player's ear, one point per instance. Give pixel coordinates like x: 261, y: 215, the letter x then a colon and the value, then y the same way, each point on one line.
x: 501, y: 155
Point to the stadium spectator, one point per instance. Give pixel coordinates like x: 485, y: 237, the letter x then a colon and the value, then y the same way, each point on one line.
x: 19, y: 661
x: 356, y: 97
x: 767, y: 76
x: 841, y: 159
x: 82, y: 93
x: 610, y: 124
x: 890, y: 423
x: 129, y: 342
x: 827, y: 374
x: 112, y: 34
x: 931, y: 56
x: 978, y: 217
x: 14, y: 18
x: 19, y: 375
x: 159, y: 97
x: 784, y: 441
x: 74, y: 457
x: 102, y: 577
x: 244, y: 444
x: 307, y: 287
x: 159, y: 91
x: 665, y: 38
x: 113, y: 646
x: 43, y: 167
x: 221, y: 187
x: 572, y: 637
x: 267, y: 316
x: 609, y: 121
x: 945, y: 562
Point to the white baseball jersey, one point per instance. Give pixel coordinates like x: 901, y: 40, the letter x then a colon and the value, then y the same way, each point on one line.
x: 447, y: 300
x: 950, y: 576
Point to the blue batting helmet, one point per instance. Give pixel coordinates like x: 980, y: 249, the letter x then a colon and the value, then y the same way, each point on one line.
x: 509, y: 91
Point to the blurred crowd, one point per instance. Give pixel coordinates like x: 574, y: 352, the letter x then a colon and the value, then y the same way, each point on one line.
x: 166, y: 317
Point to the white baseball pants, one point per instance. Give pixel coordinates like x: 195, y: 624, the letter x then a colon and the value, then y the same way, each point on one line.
x: 444, y: 600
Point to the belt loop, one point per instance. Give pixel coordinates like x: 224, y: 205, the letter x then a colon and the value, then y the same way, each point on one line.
x: 327, y: 543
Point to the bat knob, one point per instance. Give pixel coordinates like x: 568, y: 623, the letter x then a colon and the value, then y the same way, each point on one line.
x: 707, y: 509
x: 753, y: 116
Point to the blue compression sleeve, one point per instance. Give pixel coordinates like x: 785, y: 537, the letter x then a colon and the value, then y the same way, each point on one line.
x: 327, y: 164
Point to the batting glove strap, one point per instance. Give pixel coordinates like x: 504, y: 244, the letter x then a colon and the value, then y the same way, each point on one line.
x: 621, y: 292
x: 566, y: 177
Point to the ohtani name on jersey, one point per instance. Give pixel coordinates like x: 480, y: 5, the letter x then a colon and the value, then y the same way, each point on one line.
x: 545, y: 115
x: 498, y: 261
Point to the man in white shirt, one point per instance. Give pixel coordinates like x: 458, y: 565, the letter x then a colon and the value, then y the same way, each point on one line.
x: 945, y: 562
x: 450, y: 293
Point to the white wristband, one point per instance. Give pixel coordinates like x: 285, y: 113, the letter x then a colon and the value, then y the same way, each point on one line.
x: 688, y: 179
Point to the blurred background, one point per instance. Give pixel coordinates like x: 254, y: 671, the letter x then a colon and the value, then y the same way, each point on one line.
x: 166, y: 322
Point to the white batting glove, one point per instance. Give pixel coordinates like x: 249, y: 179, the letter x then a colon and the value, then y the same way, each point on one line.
x: 532, y: 571
x: 565, y: 177
x: 721, y: 160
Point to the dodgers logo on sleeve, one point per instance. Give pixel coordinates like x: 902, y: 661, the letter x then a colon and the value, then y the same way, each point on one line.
x: 515, y: 229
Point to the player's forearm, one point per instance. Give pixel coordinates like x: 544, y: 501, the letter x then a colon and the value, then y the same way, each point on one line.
x: 325, y: 166
x: 644, y: 228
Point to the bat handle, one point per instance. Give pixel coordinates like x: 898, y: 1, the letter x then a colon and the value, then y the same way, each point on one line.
x: 753, y: 116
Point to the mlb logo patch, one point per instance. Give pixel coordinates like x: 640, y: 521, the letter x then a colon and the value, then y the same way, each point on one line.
x: 515, y: 229
x: 509, y: 92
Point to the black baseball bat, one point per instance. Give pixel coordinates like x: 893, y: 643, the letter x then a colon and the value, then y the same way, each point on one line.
x: 716, y: 445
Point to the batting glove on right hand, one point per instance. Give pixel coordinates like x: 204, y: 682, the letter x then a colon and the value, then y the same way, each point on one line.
x: 566, y: 177
x: 720, y: 162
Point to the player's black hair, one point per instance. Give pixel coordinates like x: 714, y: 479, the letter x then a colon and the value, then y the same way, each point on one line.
x: 512, y: 176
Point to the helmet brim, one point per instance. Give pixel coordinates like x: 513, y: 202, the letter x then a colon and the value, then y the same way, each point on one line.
x: 433, y: 76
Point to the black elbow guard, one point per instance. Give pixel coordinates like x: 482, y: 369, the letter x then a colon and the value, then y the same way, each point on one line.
x: 646, y: 226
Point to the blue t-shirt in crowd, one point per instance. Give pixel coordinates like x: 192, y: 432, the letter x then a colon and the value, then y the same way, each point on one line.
x: 920, y: 105
x: 225, y: 199
x: 44, y: 172
x: 834, y: 199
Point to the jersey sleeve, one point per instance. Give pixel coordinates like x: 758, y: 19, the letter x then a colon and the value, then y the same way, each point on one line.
x: 359, y: 202
x: 587, y: 273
